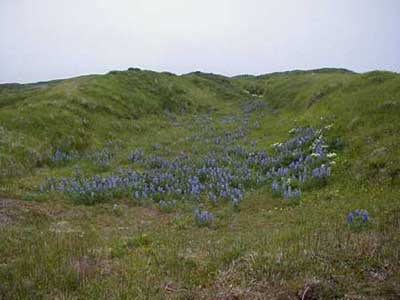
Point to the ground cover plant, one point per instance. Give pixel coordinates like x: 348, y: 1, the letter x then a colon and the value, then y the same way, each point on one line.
x: 144, y: 185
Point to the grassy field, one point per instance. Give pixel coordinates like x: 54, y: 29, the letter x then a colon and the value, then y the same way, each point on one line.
x: 169, y: 148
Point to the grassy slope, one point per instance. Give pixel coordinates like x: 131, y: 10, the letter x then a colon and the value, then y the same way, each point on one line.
x: 268, y: 250
x: 86, y: 112
x: 364, y: 108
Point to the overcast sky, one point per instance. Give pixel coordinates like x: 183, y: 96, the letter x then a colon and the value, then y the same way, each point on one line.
x: 48, y: 39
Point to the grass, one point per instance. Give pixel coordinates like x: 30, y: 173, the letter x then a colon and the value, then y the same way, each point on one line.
x: 53, y: 248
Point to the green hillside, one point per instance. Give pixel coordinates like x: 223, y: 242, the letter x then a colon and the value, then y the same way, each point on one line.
x: 86, y: 112
x: 104, y: 179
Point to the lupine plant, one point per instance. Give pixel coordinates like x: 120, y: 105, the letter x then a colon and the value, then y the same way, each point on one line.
x: 102, y: 158
x: 167, y: 206
x: 203, y: 218
x: 358, y: 219
x: 61, y: 156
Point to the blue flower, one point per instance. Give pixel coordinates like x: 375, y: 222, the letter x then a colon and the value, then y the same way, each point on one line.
x: 203, y: 218
x: 358, y: 215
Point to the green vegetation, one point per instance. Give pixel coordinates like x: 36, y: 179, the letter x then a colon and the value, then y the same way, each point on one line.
x: 119, y: 247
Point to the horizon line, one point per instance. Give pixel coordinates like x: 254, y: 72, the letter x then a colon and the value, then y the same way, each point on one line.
x: 196, y: 71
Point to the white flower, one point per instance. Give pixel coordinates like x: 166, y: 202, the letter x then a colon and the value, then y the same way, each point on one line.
x: 331, y: 155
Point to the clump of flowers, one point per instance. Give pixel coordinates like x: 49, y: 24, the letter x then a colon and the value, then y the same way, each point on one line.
x: 203, y: 218
x: 136, y: 156
x: 236, y: 196
x: 276, y: 189
x: 61, y: 157
x: 358, y: 219
x: 290, y: 193
x: 102, y: 158
x: 167, y: 206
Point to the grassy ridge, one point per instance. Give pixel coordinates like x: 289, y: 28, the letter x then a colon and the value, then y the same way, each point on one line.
x: 86, y: 112
x: 364, y: 109
x: 120, y: 249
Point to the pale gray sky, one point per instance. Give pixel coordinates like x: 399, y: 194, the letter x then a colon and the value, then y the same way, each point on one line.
x: 48, y: 39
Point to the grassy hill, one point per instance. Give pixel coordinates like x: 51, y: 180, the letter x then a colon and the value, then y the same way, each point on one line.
x: 158, y: 146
